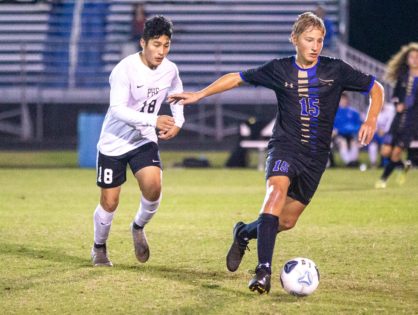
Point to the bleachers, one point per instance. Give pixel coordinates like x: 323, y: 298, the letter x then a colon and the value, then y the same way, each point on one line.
x: 210, y: 39
x: 23, y: 34
x: 56, y: 53
x: 90, y: 70
x: 215, y: 37
x: 36, y: 45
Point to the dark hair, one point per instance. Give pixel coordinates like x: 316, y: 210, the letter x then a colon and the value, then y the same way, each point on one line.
x: 156, y: 27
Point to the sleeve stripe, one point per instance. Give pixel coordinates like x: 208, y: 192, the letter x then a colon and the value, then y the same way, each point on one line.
x: 370, y: 85
x: 241, y: 74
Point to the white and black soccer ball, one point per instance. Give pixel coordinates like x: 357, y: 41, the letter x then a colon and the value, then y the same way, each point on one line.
x: 299, y: 276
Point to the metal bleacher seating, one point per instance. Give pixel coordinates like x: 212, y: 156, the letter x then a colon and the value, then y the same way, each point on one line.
x: 23, y: 36
x: 215, y: 37
x: 62, y: 52
x: 211, y: 38
x: 37, y: 45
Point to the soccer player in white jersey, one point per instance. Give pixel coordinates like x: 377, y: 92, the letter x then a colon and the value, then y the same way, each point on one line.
x: 138, y: 85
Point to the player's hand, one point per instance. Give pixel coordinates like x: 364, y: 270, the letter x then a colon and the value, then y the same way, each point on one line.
x: 184, y: 98
x: 380, y: 132
x: 366, y: 132
x: 166, y: 135
x: 400, y: 107
x: 165, y: 123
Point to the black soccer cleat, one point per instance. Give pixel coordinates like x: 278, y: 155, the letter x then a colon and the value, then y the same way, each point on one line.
x: 261, y: 281
x: 237, y: 249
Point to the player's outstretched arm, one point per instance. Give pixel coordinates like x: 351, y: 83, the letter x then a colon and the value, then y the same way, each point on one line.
x: 368, y: 128
x: 224, y: 83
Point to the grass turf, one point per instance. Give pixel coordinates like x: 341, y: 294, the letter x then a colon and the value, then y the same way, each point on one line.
x: 363, y: 241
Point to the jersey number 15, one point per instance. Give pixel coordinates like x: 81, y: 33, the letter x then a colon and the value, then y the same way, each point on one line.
x: 309, y: 107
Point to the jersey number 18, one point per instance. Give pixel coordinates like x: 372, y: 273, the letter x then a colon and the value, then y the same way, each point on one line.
x: 151, y: 107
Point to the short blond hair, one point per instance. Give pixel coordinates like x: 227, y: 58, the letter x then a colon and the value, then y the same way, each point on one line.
x: 305, y: 21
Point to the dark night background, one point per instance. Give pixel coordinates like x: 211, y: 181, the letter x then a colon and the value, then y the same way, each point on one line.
x: 380, y: 27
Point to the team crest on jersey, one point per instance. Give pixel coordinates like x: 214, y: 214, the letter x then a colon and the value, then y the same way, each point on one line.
x: 326, y: 82
x: 153, y: 91
x: 289, y: 85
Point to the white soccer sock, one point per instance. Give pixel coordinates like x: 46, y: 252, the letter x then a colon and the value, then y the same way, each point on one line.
x: 146, y: 211
x: 102, y: 222
x: 373, y: 151
x: 343, y: 150
x: 353, y: 151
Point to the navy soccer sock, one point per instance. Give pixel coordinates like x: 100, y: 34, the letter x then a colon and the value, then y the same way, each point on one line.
x: 390, y: 167
x: 267, y: 231
x: 249, y: 231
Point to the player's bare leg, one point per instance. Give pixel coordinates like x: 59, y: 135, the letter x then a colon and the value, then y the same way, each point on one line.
x: 102, y: 220
x: 290, y: 214
x: 149, y: 180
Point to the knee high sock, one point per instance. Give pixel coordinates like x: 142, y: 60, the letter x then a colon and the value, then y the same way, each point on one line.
x: 267, y: 231
x: 146, y: 211
x: 389, y: 168
x: 249, y: 231
x: 102, y: 221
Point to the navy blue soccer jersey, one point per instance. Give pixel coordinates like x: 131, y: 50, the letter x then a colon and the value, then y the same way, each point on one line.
x: 406, y: 91
x: 307, y: 99
x: 404, y: 127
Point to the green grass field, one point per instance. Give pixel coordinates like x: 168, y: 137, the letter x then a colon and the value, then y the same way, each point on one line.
x: 364, y: 242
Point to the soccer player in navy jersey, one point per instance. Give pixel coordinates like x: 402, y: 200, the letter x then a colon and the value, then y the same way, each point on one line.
x: 402, y: 69
x: 308, y: 89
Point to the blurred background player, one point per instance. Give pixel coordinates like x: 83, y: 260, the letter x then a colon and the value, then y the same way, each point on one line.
x: 138, y: 86
x: 308, y: 89
x: 383, y: 125
x: 139, y: 16
x: 402, y: 69
x: 346, y: 126
x: 321, y: 12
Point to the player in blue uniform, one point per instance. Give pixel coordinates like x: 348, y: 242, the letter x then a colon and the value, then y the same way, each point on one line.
x: 308, y: 89
x: 347, y: 123
x: 402, y: 69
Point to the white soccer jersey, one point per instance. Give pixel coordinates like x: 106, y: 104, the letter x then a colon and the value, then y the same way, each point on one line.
x: 136, y: 95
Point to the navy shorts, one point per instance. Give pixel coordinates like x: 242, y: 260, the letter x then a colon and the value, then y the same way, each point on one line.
x: 303, y: 170
x: 400, y: 133
x: 111, y: 170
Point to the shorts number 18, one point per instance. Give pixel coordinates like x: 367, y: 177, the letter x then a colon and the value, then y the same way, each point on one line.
x: 107, y: 175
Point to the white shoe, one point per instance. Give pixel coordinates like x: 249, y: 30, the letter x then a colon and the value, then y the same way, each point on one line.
x: 401, y: 178
x: 380, y: 184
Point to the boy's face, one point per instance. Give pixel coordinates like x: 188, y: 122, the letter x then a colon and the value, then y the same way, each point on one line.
x: 308, y: 46
x: 343, y: 101
x: 155, y: 50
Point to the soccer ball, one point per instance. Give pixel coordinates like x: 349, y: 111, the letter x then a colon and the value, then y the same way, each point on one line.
x: 299, y: 276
